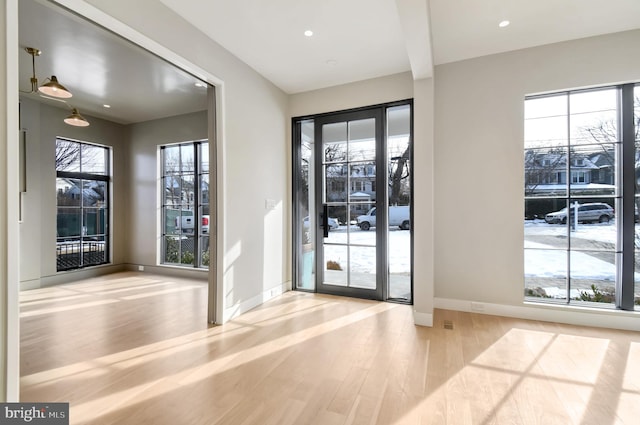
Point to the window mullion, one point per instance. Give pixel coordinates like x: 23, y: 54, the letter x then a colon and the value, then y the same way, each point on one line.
x: 626, y: 217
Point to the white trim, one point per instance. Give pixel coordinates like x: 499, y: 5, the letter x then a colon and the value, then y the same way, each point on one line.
x: 423, y: 319
x: 241, y: 308
x: 13, y: 234
x: 82, y: 8
x: 572, y: 315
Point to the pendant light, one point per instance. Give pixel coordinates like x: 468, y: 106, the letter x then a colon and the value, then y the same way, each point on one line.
x: 55, y: 89
x: 52, y: 88
x: 76, y: 120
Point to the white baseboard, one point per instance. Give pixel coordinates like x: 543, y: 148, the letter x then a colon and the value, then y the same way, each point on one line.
x: 241, y: 308
x: 71, y: 276
x: 572, y: 315
x: 423, y: 319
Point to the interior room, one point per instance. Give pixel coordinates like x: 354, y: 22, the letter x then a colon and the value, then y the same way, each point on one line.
x: 141, y: 291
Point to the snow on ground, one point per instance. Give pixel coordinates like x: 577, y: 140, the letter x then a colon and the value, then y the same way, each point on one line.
x: 553, y: 263
x: 601, y: 232
x: 363, y: 258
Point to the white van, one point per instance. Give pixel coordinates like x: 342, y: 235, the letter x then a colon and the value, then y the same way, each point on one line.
x: 398, y: 216
x: 186, y: 223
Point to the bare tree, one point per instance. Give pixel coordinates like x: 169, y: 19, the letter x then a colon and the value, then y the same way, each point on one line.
x: 398, y: 174
x: 67, y: 155
x: 605, y: 132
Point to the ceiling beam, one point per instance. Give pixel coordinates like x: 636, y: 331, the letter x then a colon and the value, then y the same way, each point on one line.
x: 414, y: 19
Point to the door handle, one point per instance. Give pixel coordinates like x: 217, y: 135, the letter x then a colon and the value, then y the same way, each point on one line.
x: 324, y: 219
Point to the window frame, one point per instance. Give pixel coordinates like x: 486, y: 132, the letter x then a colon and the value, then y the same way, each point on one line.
x: 624, y: 193
x: 200, y: 237
x: 82, y: 177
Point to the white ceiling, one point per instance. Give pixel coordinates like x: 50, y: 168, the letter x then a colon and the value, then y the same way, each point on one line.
x: 353, y: 40
x: 100, y: 68
x: 370, y: 38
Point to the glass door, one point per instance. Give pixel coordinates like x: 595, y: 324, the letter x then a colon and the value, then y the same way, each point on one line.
x: 348, y: 153
x: 352, y: 203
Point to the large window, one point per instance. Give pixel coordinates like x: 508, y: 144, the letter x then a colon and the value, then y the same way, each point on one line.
x: 185, y: 204
x: 580, y: 188
x: 82, y: 190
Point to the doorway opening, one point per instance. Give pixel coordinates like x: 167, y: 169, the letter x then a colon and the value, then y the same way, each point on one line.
x: 353, y: 187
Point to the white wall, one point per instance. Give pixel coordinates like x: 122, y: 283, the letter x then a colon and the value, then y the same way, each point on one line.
x: 143, y: 140
x: 479, y: 172
x: 38, y: 227
x: 354, y: 95
x: 253, y: 242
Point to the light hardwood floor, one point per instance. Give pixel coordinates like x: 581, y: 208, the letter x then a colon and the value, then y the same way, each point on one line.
x: 135, y: 348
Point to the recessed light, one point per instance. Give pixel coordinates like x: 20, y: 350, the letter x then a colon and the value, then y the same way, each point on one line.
x: 504, y: 23
x: 308, y: 33
x: 332, y: 62
x: 106, y: 106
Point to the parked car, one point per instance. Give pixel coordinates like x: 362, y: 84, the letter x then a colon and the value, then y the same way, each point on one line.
x: 186, y: 223
x: 333, y: 223
x: 587, y: 213
x: 398, y: 216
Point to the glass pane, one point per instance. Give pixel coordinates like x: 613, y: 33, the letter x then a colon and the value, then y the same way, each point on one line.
x: 335, y: 265
x: 204, y: 193
x: 362, y: 237
x: 336, y: 179
x: 93, y: 222
x: 362, y: 143
x: 171, y: 221
x: 362, y: 177
x: 334, y: 137
x: 541, y: 107
x: 67, y: 156
x: 399, y: 264
x: 548, y: 131
x: 592, y: 170
x: 172, y: 252
x: 186, y: 221
x: 545, y: 172
x: 204, y: 157
x: 93, y: 193
x: 69, y: 222
x: 362, y: 262
x: 94, y: 159
x: 69, y: 192
x: 593, y: 276
x: 204, y: 252
x: 93, y: 251
x: 545, y: 273
x: 187, y: 252
x: 399, y: 171
x: 187, y: 158
x: 543, y: 226
x: 187, y: 193
x: 171, y: 159
x: 337, y: 217
x: 306, y: 207
x: 68, y: 254
x: 365, y: 215
x: 594, y: 116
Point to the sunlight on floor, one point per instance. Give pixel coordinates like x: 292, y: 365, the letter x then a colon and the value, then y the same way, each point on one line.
x: 507, y: 378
